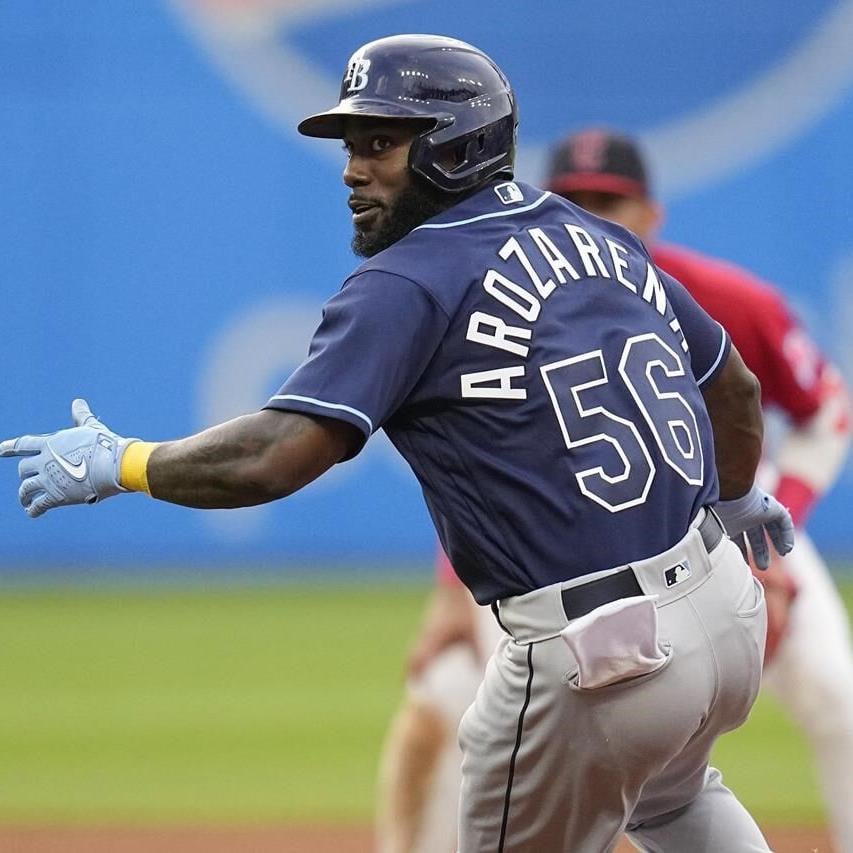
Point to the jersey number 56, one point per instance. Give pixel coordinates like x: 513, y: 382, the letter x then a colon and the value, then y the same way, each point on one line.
x: 646, y: 361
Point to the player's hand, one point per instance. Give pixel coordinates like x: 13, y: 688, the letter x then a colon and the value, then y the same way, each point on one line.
x: 750, y: 517
x: 450, y: 619
x: 73, y: 466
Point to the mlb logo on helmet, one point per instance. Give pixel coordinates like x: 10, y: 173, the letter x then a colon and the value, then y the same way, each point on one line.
x: 356, y: 75
x: 678, y: 573
x: 509, y: 193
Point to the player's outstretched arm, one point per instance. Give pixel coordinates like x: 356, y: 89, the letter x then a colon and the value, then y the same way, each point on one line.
x: 733, y: 401
x: 249, y: 460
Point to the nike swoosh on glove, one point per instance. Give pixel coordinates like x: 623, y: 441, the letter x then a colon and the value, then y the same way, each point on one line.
x: 79, y: 465
x: 754, y: 515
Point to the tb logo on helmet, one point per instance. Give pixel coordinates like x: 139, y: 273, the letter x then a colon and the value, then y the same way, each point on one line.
x: 356, y: 74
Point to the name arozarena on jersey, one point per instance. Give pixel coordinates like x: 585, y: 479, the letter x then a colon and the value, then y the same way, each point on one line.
x: 609, y: 262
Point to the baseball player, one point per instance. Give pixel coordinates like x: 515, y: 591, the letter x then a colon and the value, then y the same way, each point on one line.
x: 809, y: 664
x: 585, y: 436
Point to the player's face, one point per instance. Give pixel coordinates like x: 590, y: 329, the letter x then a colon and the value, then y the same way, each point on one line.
x: 640, y: 215
x: 387, y: 199
x: 377, y: 167
x: 377, y: 171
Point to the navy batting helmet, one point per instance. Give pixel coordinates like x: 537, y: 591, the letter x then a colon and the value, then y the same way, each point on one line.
x: 464, y: 97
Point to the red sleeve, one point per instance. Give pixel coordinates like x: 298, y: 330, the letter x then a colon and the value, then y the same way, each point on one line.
x: 794, y: 363
x: 775, y: 348
x: 798, y: 496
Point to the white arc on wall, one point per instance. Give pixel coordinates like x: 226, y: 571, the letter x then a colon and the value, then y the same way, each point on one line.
x: 248, y: 41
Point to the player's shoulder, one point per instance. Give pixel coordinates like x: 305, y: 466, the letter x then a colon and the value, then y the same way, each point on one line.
x: 715, y: 279
x: 375, y: 284
x: 401, y: 265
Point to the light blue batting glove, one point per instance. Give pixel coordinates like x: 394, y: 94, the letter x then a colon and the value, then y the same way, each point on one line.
x: 80, y: 465
x: 753, y: 515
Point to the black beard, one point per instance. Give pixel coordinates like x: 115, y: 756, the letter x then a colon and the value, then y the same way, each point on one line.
x: 416, y: 203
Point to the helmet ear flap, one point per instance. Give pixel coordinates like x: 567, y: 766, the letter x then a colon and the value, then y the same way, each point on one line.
x: 460, y: 163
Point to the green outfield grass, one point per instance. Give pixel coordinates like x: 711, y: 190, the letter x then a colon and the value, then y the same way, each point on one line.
x: 244, y: 705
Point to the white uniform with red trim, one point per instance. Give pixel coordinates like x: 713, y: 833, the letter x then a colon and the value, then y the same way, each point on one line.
x: 810, y: 665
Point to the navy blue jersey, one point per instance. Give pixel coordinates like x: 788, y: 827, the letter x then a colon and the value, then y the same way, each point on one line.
x: 540, y: 376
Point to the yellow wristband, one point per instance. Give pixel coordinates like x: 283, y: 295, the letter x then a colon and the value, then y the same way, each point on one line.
x: 134, y: 466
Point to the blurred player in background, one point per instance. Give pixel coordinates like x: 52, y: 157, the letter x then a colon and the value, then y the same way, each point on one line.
x: 808, y: 661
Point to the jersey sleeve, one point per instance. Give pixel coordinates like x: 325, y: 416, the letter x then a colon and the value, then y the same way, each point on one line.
x: 709, y: 343
x: 375, y: 339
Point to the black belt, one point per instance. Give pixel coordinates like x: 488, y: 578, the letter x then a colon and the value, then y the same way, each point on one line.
x: 580, y: 600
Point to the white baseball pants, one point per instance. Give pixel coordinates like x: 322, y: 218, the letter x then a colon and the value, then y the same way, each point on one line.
x: 550, y: 767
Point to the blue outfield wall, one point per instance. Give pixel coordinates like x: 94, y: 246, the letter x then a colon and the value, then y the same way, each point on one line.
x: 168, y: 239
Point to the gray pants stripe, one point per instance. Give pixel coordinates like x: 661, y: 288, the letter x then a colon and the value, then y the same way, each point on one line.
x: 516, y: 748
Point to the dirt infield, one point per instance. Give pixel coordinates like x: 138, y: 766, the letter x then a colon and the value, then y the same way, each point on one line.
x: 285, y: 839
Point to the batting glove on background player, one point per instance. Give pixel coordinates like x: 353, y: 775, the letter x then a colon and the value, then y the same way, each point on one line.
x: 753, y: 515
x: 73, y: 466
